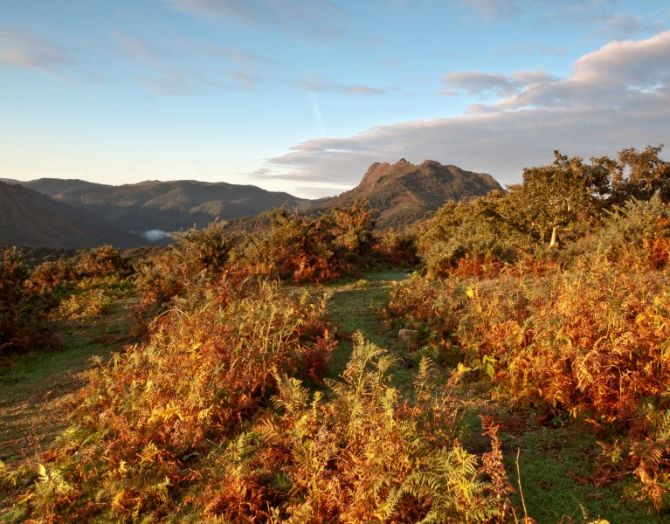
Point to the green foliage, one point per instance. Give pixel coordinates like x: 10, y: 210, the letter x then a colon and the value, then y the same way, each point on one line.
x: 638, y: 231
x: 640, y: 174
x: 558, y: 198
x: 312, y: 248
x: 472, y: 229
x: 24, y: 324
x: 398, y: 248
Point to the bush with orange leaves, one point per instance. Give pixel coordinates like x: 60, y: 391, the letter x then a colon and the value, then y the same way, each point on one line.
x: 592, y: 340
x: 318, y: 247
x: 358, y: 453
x: 24, y: 322
x: 197, y: 257
x: 145, y: 421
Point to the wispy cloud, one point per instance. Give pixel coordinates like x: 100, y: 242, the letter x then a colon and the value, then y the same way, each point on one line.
x: 320, y: 19
x: 599, y: 16
x: 184, y: 67
x: 615, y: 97
x: 323, y: 85
x: 537, y: 49
x: 480, y: 83
x: 28, y: 50
x: 492, y: 9
x: 316, y: 111
x: 626, y: 25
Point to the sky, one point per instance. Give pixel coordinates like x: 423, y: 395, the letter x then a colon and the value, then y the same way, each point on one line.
x: 302, y: 96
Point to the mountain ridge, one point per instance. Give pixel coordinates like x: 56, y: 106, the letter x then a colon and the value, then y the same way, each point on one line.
x: 404, y: 192
x: 399, y: 193
x: 32, y: 219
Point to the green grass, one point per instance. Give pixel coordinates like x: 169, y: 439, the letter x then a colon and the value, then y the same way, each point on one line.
x: 552, y: 461
x: 356, y: 306
x: 35, y: 386
x: 78, y: 344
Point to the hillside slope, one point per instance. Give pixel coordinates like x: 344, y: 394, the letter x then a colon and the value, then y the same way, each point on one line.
x: 29, y: 218
x: 175, y: 205
x: 56, y: 186
x: 404, y: 192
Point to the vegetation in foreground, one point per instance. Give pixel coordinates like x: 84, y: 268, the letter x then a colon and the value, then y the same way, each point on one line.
x: 538, y: 322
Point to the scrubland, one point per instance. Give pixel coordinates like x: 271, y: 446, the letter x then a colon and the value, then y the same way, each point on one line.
x: 260, y: 377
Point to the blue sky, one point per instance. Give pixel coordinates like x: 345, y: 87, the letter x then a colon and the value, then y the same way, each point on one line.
x: 303, y: 96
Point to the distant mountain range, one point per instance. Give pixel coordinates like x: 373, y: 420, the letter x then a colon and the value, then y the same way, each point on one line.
x: 170, y: 206
x: 31, y: 219
x: 51, y: 212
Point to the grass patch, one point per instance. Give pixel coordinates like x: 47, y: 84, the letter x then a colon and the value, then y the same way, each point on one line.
x: 554, y: 464
x: 355, y: 306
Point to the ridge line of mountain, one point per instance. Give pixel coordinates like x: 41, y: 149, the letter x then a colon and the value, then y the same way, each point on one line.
x: 400, y: 193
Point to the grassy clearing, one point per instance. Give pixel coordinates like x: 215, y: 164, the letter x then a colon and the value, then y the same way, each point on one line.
x: 555, y: 467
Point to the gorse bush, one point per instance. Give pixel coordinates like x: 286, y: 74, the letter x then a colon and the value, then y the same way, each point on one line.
x: 24, y: 323
x: 84, y: 286
x: 471, y: 230
x: 398, y: 249
x: 637, y: 233
x: 197, y: 257
x: 102, y: 262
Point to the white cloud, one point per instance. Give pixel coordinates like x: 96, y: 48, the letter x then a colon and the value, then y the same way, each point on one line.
x: 480, y: 83
x: 615, y: 97
x: 320, y: 19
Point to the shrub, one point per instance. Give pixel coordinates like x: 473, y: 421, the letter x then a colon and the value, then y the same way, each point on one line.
x: 357, y: 454
x: 591, y: 341
x: 471, y: 230
x: 398, y: 249
x: 53, y: 278
x: 23, y: 312
x: 144, y: 420
x: 101, y: 262
x: 199, y: 256
x: 312, y: 247
x: 85, y: 304
x: 637, y: 234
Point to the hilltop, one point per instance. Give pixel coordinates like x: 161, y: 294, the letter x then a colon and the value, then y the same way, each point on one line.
x: 174, y: 205
x: 403, y: 192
